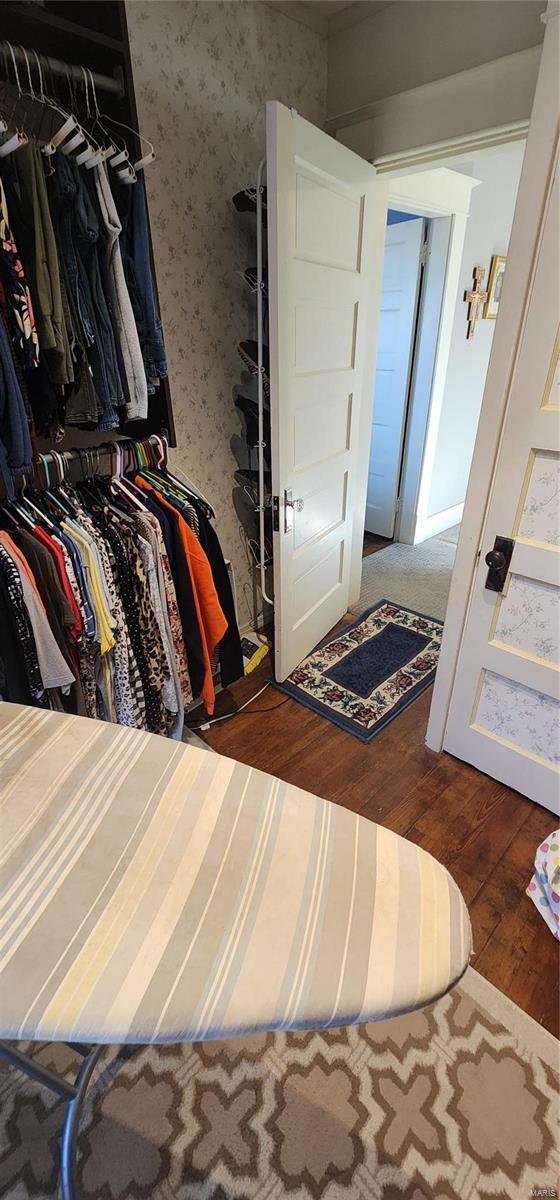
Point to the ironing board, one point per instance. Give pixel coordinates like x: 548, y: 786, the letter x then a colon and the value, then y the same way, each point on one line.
x: 155, y: 892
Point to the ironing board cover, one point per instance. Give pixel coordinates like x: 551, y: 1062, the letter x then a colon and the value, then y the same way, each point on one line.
x: 155, y: 892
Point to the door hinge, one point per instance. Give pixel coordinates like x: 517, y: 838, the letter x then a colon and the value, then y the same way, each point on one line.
x: 424, y: 254
x: 276, y: 513
x: 398, y: 504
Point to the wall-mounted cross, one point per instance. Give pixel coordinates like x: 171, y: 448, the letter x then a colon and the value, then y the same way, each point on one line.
x: 474, y: 299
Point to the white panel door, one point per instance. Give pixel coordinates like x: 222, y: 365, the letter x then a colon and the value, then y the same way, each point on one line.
x: 505, y: 708
x: 399, y: 305
x: 324, y: 207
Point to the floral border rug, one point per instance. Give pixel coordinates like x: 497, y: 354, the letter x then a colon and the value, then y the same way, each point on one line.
x: 364, y: 676
x: 457, y: 1102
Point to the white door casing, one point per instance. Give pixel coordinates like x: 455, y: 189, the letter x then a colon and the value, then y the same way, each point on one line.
x: 399, y: 305
x: 326, y: 224
x: 504, y: 715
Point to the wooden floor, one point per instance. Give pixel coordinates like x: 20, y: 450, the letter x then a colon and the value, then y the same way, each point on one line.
x: 485, y: 833
x: 372, y: 543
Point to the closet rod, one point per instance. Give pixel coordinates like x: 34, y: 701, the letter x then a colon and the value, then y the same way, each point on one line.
x: 104, y: 83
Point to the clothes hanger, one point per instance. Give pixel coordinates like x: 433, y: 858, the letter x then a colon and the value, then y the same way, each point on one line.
x: 19, y: 137
x: 121, y: 485
x: 108, y: 149
x: 54, y: 497
x: 128, y: 169
x: 47, y: 147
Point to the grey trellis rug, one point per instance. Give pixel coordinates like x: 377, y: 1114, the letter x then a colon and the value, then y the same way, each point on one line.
x: 457, y: 1102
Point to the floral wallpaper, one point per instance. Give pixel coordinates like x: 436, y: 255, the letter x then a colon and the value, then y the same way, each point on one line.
x: 203, y: 70
x: 529, y: 618
x: 540, y: 519
x: 528, y: 719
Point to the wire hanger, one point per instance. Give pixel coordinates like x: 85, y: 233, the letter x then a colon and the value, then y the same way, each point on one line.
x: 122, y: 158
x: 19, y: 137
x: 107, y: 148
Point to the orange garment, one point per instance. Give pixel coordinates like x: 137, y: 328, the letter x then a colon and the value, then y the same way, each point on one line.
x: 211, y: 620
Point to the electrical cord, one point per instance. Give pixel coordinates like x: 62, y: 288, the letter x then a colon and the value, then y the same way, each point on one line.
x: 239, y: 711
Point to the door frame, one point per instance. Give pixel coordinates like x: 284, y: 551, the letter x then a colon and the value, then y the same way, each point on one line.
x: 439, y: 192
x: 527, y: 226
x: 526, y: 235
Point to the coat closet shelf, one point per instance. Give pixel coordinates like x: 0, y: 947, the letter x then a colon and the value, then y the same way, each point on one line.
x: 94, y: 35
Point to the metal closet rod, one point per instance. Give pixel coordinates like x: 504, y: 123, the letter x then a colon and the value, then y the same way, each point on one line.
x: 105, y: 83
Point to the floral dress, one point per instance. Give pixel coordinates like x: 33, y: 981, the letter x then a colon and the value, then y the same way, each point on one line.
x: 15, y: 297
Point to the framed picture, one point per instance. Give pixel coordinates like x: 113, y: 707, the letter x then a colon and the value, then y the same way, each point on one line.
x: 495, y: 282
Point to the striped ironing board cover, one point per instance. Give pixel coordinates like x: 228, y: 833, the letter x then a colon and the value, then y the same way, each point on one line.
x: 155, y: 892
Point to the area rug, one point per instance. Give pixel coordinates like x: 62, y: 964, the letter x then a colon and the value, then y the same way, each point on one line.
x: 457, y: 1102
x: 419, y: 576
x: 364, y: 677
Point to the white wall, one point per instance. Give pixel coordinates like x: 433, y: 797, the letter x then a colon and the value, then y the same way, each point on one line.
x: 488, y: 231
x: 414, y: 42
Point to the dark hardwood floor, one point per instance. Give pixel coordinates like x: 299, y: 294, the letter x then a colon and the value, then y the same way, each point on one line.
x: 485, y: 833
x: 372, y: 543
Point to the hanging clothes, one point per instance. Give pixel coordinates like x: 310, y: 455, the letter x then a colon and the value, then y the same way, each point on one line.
x: 15, y: 440
x: 126, y: 331
x: 88, y: 350
x: 113, y: 605
x: 135, y: 248
x: 211, y: 621
x: 15, y: 296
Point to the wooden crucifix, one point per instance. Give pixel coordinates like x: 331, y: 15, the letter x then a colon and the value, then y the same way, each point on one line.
x: 474, y: 299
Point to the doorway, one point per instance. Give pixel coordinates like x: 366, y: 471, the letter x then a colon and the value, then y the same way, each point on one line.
x: 403, y: 271
x: 430, y: 413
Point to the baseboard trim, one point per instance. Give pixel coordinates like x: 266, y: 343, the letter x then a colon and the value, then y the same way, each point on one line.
x: 438, y: 522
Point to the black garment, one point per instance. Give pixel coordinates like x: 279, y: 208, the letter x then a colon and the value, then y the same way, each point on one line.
x: 14, y: 684
x: 103, y: 351
x: 23, y: 635
x: 83, y: 406
x: 183, y: 588
x: 231, y: 654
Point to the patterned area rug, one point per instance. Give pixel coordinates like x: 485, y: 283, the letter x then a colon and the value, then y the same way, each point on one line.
x: 458, y: 1101
x: 364, y: 677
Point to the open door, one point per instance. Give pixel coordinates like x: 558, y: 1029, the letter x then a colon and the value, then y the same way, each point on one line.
x: 326, y: 228
x: 399, y: 306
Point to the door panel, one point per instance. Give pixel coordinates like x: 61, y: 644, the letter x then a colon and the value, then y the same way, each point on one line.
x: 399, y: 303
x: 324, y: 208
x: 505, y: 708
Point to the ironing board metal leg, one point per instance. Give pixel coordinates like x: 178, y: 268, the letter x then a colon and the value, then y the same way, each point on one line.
x: 69, y: 1143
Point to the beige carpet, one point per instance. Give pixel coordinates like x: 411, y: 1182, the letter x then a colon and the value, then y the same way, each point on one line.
x: 416, y: 576
x: 458, y: 1101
